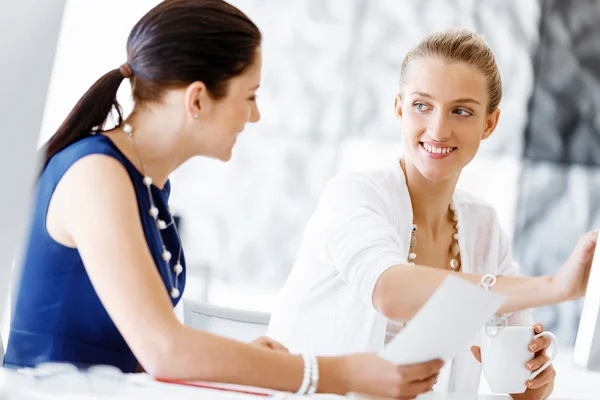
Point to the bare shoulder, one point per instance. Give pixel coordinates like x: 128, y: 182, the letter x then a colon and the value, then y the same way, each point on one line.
x: 97, y: 171
x: 96, y: 189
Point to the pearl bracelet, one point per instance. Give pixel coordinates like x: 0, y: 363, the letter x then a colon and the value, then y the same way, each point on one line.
x: 488, y: 281
x: 310, y: 381
x: 307, y: 375
x: 314, y: 376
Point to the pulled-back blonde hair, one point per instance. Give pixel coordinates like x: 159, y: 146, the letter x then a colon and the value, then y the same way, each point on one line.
x: 459, y: 45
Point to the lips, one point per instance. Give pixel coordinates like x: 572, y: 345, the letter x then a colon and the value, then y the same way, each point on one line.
x: 436, y: 151
x: 433, y: 149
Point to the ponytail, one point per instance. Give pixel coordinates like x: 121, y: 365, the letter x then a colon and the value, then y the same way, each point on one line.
x: 89, y: 114
x: 176, y: 43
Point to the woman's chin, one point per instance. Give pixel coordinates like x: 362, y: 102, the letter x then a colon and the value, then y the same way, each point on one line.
x: 226, y: 156
x: 436, y: 174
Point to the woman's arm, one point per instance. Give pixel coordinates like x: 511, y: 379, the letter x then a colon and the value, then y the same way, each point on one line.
x: 94, y: 206
x: 402, y: 290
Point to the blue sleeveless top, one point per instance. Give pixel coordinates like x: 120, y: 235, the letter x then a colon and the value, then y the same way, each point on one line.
x: 57, y: 316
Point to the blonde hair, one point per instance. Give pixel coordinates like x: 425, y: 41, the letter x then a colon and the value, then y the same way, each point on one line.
x: 459, y: 45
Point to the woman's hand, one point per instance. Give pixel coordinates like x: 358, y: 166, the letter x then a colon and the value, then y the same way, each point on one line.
x: 570, y: 282
x: 371, y: 374
x: 541, y: 387
x: 266, y: 342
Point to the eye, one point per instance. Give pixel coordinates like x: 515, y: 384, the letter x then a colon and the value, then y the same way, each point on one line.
x: 421, y: 106
x: 462, y: 113
x: 252, y: 98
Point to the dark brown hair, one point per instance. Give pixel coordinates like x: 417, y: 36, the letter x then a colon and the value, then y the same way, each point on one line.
x: 176, y: 43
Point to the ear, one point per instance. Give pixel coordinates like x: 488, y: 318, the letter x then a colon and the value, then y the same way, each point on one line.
x: 197, y: 99
x: 398, y: 106
x: 491, y: 123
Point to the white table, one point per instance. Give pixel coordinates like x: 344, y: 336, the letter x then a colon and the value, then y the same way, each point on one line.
x: 461, y: 396
x: 71, y: 386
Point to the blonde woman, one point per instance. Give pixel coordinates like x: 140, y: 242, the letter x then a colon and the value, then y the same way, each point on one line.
x: 381, y: 242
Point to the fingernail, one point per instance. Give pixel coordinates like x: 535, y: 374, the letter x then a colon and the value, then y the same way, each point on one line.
x: 529, y: 384
x: 529, y: 366
x: 533, y: 347
x: 538, y: 327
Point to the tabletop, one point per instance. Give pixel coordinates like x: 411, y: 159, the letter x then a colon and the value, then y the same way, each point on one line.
x: 106, y: 383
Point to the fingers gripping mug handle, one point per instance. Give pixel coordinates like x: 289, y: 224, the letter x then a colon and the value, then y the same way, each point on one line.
x: 552, y: 357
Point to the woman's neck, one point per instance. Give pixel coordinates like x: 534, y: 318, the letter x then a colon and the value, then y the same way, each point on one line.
x: 154, y: 142
x: 430, y: 200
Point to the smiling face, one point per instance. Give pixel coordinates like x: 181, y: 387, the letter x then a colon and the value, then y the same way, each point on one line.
x: 444, y: 112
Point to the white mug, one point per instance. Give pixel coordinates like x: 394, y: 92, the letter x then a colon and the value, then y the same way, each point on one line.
x: 504, y: 353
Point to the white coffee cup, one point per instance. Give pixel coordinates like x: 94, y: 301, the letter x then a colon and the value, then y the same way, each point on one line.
x: 504, y: 353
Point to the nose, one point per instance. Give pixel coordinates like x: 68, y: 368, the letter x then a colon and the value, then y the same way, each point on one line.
x: 254, y: 113
x: 439, y: 127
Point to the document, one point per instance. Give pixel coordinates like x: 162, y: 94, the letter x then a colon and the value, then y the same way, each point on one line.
x: 447, y: 324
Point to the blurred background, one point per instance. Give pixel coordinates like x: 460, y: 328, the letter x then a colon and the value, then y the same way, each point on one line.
x: 329, y: 78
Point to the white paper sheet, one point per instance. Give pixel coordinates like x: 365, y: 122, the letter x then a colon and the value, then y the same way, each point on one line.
x: 447, y: 323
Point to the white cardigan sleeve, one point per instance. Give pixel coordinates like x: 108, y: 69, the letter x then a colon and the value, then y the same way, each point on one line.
x: 353, y: 227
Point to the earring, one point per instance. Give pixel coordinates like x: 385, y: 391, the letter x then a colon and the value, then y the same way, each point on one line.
x: 195, y: 116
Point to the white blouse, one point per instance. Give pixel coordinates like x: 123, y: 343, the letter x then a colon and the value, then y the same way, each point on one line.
x: 361, y: 227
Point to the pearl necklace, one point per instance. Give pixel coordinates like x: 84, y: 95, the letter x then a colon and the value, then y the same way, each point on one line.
x: 454, y: 249
x: 394, y: 327
x: 159, y: 224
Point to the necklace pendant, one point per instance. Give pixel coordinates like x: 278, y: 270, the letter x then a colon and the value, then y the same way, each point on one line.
x: 175, y: 293
x: 128, y: 129
x: 154, y: 212
x: 178, y: 269
x: 455, y: 249
x: 453, y: 263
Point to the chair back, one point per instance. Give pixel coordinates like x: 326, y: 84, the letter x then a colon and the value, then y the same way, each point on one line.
x: 241, y: 325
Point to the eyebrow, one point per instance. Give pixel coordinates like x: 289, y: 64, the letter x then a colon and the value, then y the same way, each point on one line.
x: 461, y: 100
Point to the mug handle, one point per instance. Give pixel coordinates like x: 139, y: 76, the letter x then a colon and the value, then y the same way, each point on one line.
x: 552, y: 357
